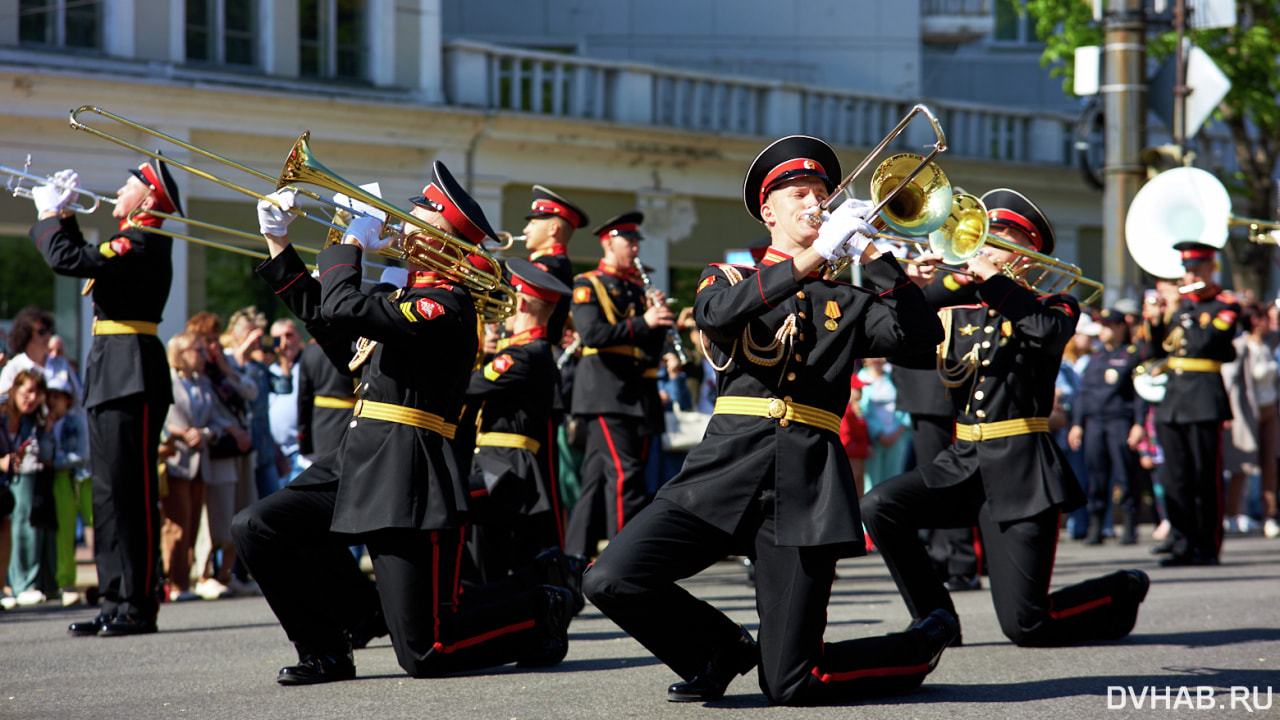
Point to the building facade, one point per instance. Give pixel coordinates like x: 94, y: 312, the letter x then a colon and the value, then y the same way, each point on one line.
x: 658, y: 106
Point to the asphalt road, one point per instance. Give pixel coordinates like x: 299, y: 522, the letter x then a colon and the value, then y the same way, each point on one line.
x: 1211, y: 636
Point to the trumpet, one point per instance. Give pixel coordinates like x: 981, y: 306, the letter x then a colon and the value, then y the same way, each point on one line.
x: 674, y: 333
x: 507, y: 239
x: 19, y: 190
x: 417, y: 240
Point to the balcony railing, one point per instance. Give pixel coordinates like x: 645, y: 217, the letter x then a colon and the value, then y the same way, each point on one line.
x: 955, y: 21
x: 515, y: 80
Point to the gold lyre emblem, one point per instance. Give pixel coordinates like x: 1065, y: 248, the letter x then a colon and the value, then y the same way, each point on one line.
x: 364, y: 348
x: 833, y: 313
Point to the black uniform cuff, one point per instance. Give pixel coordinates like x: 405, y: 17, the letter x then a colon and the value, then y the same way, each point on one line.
x: 282, y: 270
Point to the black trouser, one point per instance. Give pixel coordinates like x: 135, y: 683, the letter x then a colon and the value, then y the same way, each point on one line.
x: 613, y: 487
x: 1193, y: 485
x: 316, y: 589
x: 634, y: 582
x: 954, y: 550
x: 1111, y: 461
x: 124, y: 438
x: 1019, y: 557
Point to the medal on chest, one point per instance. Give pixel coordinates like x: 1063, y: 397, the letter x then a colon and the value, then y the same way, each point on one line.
x: 832, y: 312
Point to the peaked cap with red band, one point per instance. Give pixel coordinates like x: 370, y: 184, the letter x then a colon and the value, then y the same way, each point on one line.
x: 445, y: 195
x: 786, y: 159
x: 627, y: 225
x: 1194, y: 252
x: 533, y: 280
x: 547, y: 203
x: 1010, y: 208
x: 155, y: 174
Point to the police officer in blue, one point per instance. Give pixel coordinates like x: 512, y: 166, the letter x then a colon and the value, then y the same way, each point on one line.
x: 1107, y: 420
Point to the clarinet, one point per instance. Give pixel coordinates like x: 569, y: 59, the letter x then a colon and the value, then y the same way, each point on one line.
x: 672, y: 331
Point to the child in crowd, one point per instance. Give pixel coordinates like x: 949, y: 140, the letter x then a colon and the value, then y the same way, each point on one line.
x: 72, y: 493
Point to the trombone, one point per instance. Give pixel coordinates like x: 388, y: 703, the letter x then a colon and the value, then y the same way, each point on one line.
x: 965, y: 231
x: 911, y: 192
x: 19, y: 190
x: 418, y: 241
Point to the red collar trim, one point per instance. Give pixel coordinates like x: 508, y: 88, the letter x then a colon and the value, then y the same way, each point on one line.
x: 142, y: 219
x: 421, y: 278
x: 524, y: 338
x: 544, y: 206
x: 773, y: 257
x: 618, y: 272
x: 556, y: 249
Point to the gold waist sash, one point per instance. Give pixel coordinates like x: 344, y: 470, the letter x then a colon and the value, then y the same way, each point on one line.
x: 1001, y: 429
x: 405, y: 416
x: 781, y: 410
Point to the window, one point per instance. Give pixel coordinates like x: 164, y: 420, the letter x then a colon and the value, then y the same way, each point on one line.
x: 331, y: 38
x: 1013, y: 24
x: 222, y: 32
x: 61, y: 23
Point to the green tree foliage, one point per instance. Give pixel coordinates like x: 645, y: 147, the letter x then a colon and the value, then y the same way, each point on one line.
x: 1249, y: 55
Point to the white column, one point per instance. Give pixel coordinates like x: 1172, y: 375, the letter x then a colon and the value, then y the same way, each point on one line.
x: 381, y: 40
x: 118, y: 19
x: 430, y: 52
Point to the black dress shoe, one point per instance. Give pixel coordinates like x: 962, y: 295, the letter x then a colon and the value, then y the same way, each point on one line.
x: 551, y: 632
x: 85, y: 628
x: 316, y: 668
x: 122, y: 625
x: 1139, y: 584
x: 726, y: 662
x: 370, y: 627
x: 1191, y: 558
x: 561, y: 570
x: 958, y: 583
x: 941, y: 630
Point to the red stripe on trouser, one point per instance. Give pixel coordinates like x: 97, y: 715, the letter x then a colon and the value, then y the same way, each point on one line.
x: 1059, y: 614
x: 977, y: 550
x: 870, y: 673
x: 457, y: 566
x: 463, y: 644
x: 146, y: 484
x: 617, y: 466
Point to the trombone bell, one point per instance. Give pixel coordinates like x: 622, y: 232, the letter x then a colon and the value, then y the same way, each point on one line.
x: 921, y: 205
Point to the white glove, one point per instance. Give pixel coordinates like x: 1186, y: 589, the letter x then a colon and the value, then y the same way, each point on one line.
x: 845, y: 232
x: 54, y: 199
x: 274, y: 217
x: 367, y: 232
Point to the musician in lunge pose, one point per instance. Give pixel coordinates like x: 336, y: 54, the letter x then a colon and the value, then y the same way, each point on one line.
x: 393, y: 483
x: 1004, y: 473
x: 771, y: 480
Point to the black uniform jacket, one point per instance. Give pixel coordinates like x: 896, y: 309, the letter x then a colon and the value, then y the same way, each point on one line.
x: 1014, y: 341
x: 389, y: 474
x: 515, y: 392
x: 613, y: 381
x: 555, y: 260
x: 920, y: 390
x: 826, y: 326
x: 1106, y: 387
x: 132, y: 274
x: 1209, y: 326
x: 322, y: 427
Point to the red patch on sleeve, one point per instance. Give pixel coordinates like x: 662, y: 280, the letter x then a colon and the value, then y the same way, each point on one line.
x: 502, y: 363
x: 121, y: 245
x: 582, y: 294
x: 706, y: 281
x: 429, y: 309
